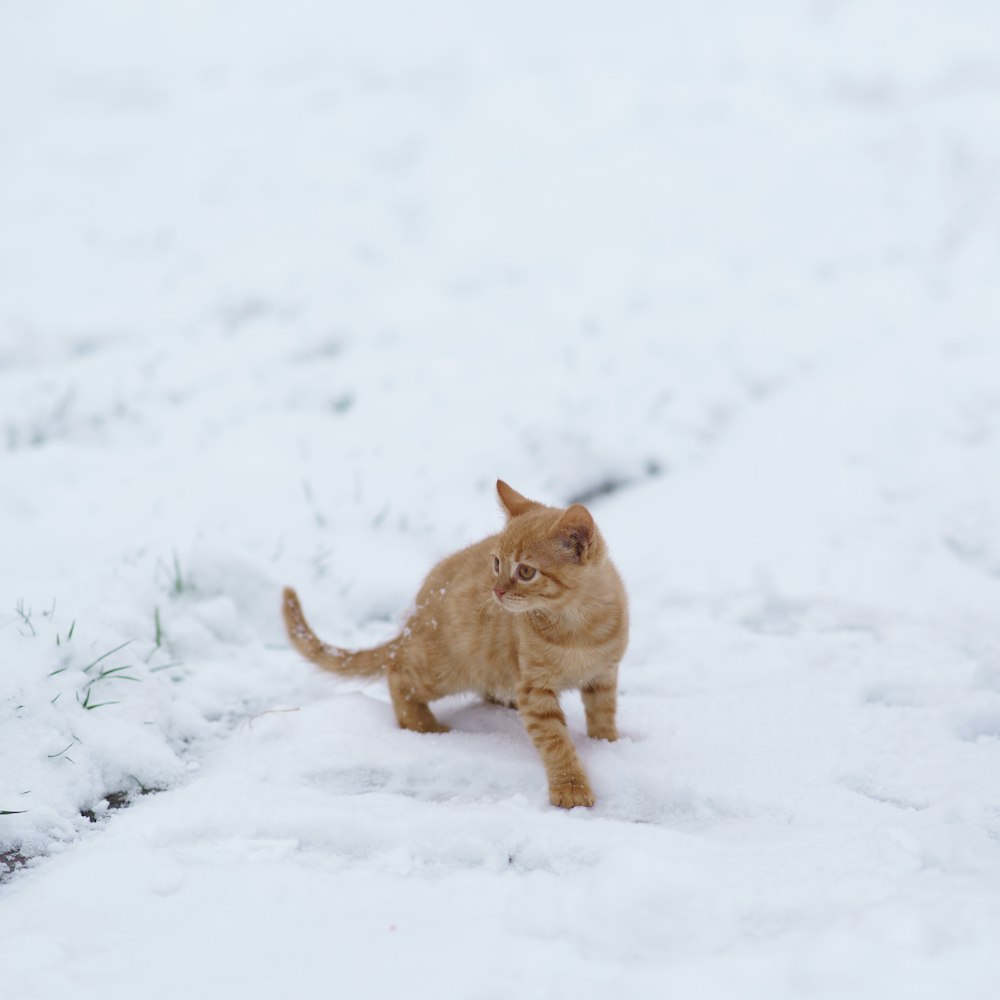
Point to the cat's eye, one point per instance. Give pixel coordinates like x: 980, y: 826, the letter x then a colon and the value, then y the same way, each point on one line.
x: 525, y: 572
x: 496, y: 564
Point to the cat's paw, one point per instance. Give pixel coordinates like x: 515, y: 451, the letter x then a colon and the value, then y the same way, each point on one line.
x: 434, y: 727
x: 423, y: 723
x: 571, y: 794
x: 609, y: 733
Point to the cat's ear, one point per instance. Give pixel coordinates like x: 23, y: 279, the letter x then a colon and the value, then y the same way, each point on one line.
x: 512, y: 501
x: 576, y: 532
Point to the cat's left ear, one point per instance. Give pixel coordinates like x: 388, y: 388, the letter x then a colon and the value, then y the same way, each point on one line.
x: 512, y: 501
x: 576, y: 532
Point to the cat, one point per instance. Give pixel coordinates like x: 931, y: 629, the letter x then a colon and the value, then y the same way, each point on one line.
x: 519, y: 617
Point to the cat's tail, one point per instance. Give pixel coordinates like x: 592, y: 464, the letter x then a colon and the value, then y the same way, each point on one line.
x: 364, y: 663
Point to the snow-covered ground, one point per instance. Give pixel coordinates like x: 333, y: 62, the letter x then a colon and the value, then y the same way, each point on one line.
x: 285, y: 287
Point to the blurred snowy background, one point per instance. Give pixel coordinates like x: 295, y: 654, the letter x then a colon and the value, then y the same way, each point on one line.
x: 285, y: 287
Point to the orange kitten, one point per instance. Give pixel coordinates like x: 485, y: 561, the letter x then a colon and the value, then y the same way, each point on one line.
x: 518, y: 617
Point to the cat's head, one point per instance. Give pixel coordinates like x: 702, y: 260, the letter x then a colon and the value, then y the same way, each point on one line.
x: 546, y: 557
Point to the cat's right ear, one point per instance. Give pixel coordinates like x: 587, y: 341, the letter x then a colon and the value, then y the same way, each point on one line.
x: 512, y: 501
x: 576, y: 531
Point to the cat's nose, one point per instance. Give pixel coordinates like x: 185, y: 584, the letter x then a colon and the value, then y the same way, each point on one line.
x: 499, y: 591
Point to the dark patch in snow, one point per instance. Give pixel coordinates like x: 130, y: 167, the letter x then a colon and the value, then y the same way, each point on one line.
x: 615, y: 484
x: 10, y: 862
x: 116, y: 800
x: 13, y: 860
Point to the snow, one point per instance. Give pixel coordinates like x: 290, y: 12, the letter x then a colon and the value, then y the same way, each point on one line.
x: 285, y: 290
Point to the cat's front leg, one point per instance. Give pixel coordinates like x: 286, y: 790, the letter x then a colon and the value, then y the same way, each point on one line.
x: 600, y: 701
x: 546, y: 725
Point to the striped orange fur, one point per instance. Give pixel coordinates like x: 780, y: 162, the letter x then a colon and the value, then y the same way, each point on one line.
x: 519, y: 617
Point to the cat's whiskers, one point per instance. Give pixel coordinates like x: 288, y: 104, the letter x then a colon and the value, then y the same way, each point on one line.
x: 487, y: 609
x: 540, y: 620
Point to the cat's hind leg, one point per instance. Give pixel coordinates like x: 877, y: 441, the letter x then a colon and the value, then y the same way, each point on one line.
x: 600, y: 700
x: 410, y: 703
x: 493, y: 699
